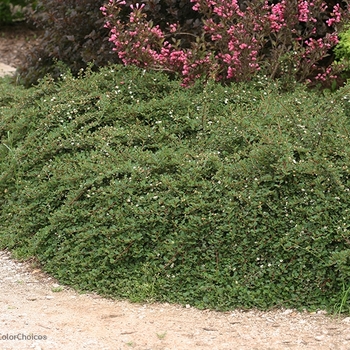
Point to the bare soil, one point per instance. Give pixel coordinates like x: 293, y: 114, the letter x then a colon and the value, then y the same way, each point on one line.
x: 15, y: 42
x: 36, y: 312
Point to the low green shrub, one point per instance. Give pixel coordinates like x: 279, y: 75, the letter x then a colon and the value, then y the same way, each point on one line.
x: 121, y: 182
x: 11, y: 10
x: 342, y: 50
x: 342, y: 54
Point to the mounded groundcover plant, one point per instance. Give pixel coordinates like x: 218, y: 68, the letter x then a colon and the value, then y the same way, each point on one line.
x: 124, y: 183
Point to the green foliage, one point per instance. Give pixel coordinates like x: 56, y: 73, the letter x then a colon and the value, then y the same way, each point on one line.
x: 121, y: 182
x: 11, y: 10
x: 5, y: 12
x: 342, y: 50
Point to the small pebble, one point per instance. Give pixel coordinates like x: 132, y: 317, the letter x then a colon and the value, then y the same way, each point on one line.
x: 319, y: 337
x: 346, y: 320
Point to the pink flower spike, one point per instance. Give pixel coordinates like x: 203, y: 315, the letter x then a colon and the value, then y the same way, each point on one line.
x: 304, y: 11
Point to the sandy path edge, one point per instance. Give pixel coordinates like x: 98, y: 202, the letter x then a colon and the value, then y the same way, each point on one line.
x: 6, y: 70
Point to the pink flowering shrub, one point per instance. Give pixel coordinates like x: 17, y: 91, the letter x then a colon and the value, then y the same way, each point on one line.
x: 289, y: 38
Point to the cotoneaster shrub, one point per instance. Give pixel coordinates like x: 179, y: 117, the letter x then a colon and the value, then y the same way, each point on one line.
x: 121, y: 182
x: 290, y: 39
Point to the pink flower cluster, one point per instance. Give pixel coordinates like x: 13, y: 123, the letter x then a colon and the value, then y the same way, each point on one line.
x: 336, y: 16
x: 235, y: 44
x: 276, y: 17
x: 304, y: 12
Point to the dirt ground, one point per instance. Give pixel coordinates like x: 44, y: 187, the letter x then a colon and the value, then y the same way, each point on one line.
x: 38, y: 313
x: 15, y: 41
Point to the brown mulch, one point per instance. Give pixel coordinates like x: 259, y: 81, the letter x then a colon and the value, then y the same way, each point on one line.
x: 16, y: 41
